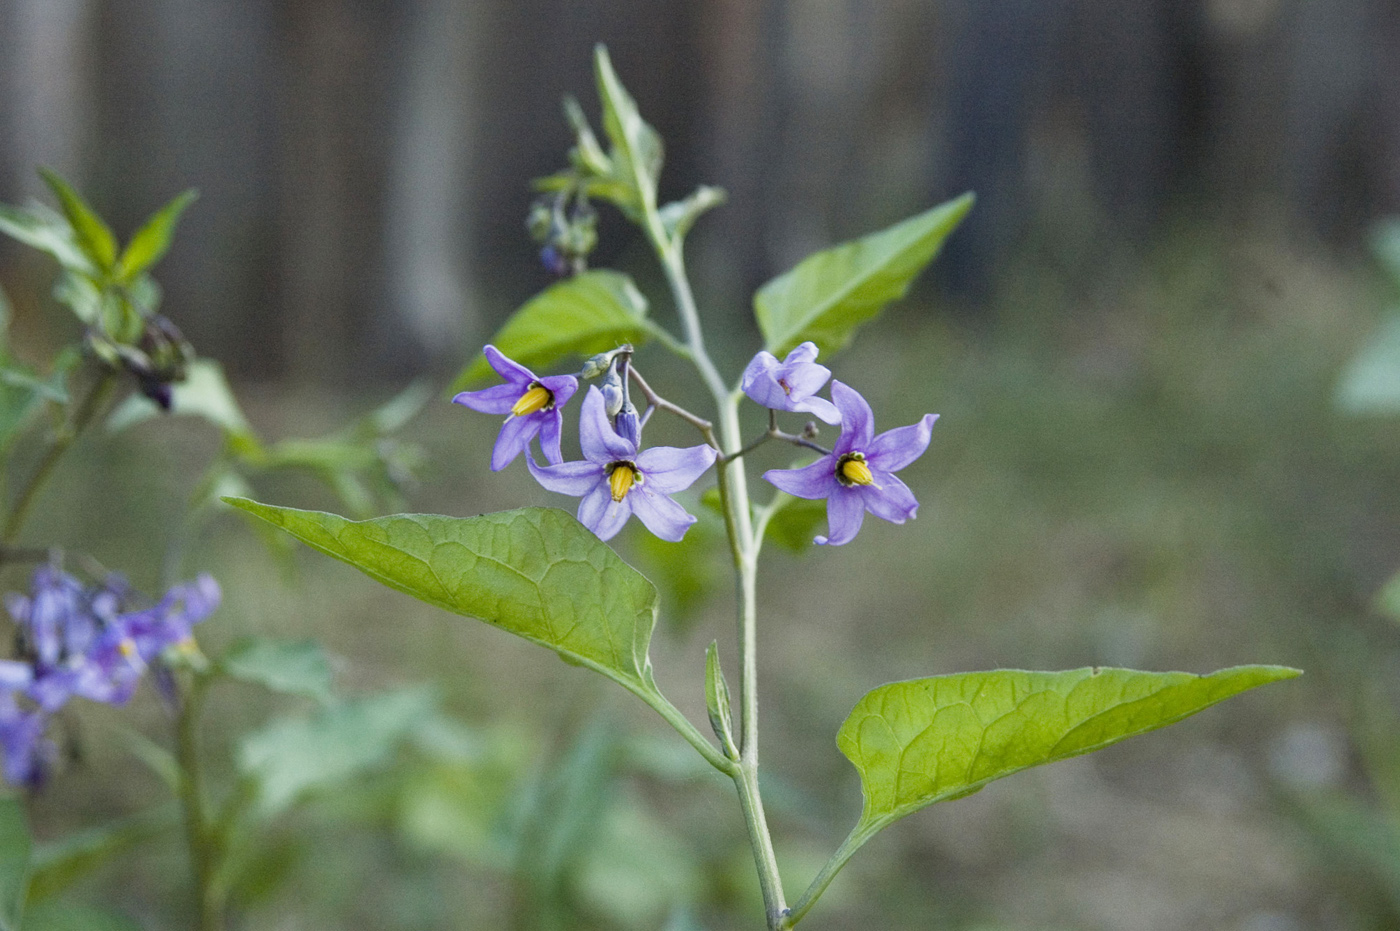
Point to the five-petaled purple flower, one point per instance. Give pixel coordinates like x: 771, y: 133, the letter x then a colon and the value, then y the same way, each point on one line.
x: 616, y: 481
x: 80, y: 642
x: 858, y: 474
x: 792, y: 384
x: 534, y: 406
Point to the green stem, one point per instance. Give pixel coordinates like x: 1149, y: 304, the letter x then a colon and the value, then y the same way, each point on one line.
x: 733, y: 488
x: 62, y: 440
x: 199, y: 835
x: 849, y: 846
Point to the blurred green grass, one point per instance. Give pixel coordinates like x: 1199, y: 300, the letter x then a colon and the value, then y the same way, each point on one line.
x: 1145, y: 470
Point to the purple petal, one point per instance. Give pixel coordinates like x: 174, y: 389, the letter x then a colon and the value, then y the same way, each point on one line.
x: 508, y: 369
x: 802, y: 354
x: 889, y: 498
x: 601, y: 514
x: 498, y: 399
x: 857, y: 422
x: 516, y: 433
x: 760, y: 382
x: 662, y: 516
x: 803, y: 376
x: 821, y: 407
x: 561, y: 386
x: 817, y: 480
x: 550, y: 426
x: 15, y: 675
x: 895, y: 449
x: 669, y: 469
x: 569, y: 478
x: 844, y: 513
x: 599, y: 441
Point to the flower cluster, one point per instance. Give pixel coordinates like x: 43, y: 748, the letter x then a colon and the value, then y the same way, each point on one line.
x: 617, y: 477
x: 85, y: 642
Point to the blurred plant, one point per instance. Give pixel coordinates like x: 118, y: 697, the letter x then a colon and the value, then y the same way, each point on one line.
x: 549, y: 578
x: 95, y: 640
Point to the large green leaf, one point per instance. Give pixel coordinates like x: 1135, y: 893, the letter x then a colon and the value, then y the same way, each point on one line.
x: 929, y: 740
x: 14, y: 862
x: 832, y: 292
x: 151, y: 241
x: 636, y: 147
x: 583, y: 315
x: 535, y: 572
x: 292, y: 667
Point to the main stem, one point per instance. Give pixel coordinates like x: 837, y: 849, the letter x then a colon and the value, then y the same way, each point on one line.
x: 199, y: 835
x: 733, y: 487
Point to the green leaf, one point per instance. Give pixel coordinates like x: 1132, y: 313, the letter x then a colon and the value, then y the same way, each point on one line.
x: 717, y: 702
x: 58, y: 864
x: 92, y: 235
x: 1371, y: 382
x: 152, y: 240
x: 929, y: 740
x: 636, y: 147
x: 289, y: 667
x: 294, y: 757
x: 832, y: 292
x: 14, y: 862
x: 42, y: 229
x: 794, y: 523
x: 535, y: 572
x: 53, y: 916
x: 205, y: 392
x: 582, y: 315
x: 679, y: 216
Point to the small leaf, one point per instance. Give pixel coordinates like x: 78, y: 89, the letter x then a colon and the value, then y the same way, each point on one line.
x: 717, y: 701
x: 151, y: 241
x: 929, y: 740
x: 289, y: 667
x: 294, y: 757
x: 794, y: 525
x: 14, y: 862
x: 636, y: 147
x: 93, y: 236
x: 58, y: 864
x: 832, y: 292
x: 679, y: 216
x: 582, y: 316
x: 536, y: 572
x: 205, y: 392
x: 1371, y: 382
x: 42, y: 229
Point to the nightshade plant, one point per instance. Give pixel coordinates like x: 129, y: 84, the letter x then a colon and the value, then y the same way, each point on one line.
x: 545, y: 576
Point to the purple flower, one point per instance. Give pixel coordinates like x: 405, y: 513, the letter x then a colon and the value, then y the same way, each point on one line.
x: 534, y: 407
x: 28, y: 753
x: 858, y: 475
x: 615, y: 480
x: 790, y: 385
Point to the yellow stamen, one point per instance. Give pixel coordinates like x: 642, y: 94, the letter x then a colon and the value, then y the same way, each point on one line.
x: 620, y: 481
x: 857, y: 472
x: 536, y: 399
x: 127, y: 649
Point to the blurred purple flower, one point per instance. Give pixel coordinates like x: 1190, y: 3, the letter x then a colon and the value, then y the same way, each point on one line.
x: 534, y: 407
x: 858, y: 475
x: 28, y: 753
x: 616, y: 481
x: 790, y: 385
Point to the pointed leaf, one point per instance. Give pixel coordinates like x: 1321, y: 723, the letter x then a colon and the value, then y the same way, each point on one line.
x: 59, y: 916
x: 93, y: 235
x: 717, y: 702
x: 14, y: 862
x: 636, y: 147
x: 832, y: 292
x: 46, y: 231
x: 536, y: 572
x: 929, y: 740
x: 205, y: 392
x: 291, y: 667
x: 680, y: 215
x: 151, y: 241
x: 582, y: 316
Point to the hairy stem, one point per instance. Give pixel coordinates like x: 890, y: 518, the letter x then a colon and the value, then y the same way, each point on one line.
x: 733, y: 488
